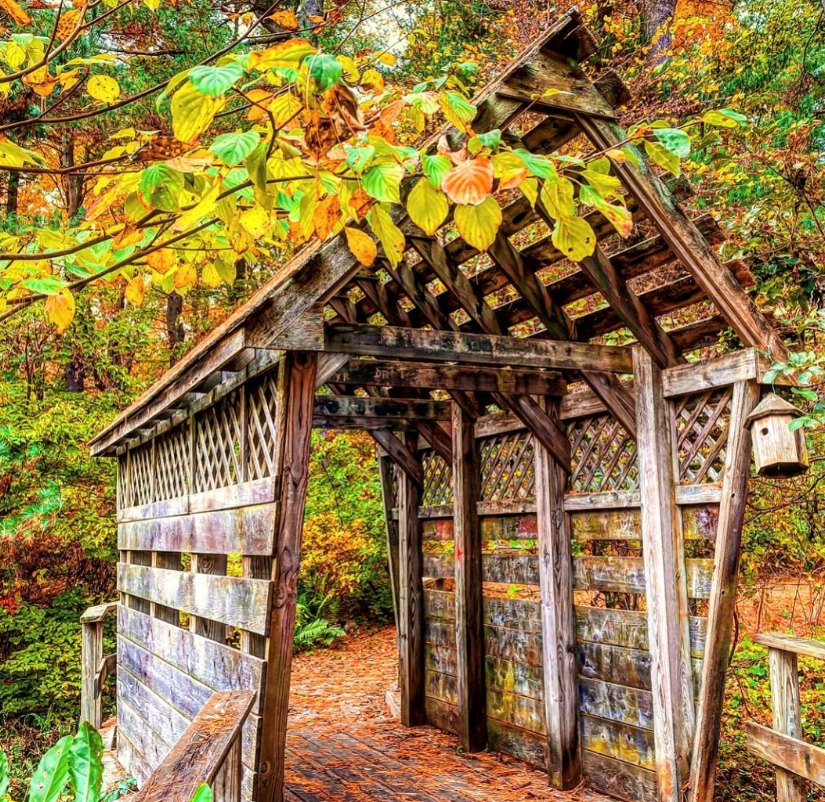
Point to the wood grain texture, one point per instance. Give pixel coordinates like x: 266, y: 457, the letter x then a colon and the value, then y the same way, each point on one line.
x: 200, y: 754
x: 803, y: 761
x: 558, y: 625
x: 722, y: 601
x: 666, y: 587
x: 469, y: 627
x: 410, y: 600
x: 296, y: 393
x: 230, y: 600
x: 789, y: 643
x: 787, y: 717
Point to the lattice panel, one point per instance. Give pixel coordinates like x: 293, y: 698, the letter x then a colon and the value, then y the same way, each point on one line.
x: 603, y: 456
x: 172, y: 464
x: 438, y: 480
x: 506, y: 462
x: 218, y: 445
x: 140, y: 475
x: 702, y: 435
x: 261, y: 416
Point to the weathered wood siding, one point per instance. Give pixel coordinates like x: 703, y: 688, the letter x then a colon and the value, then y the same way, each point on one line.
x: 197, y: 516
x: 614, y: 661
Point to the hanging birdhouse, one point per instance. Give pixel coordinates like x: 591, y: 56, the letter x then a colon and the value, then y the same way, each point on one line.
x: 777, y: 450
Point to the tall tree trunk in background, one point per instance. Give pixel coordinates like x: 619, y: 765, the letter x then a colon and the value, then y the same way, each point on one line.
x: 175, y: 331
x: 72, y: 184
x: 657, y: 16
x: 12, y: 194
x: 75, y: 375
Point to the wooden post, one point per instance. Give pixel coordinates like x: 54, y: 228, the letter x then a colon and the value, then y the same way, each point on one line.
x: 787, y: 717
x: 469, y: 599
x: 296, y: 395
x: 667, y: 604
x: 410, y: 599
x: 91, y: 649
x: 390, y: 502
x: 723, y: 593
x: 558, y: 618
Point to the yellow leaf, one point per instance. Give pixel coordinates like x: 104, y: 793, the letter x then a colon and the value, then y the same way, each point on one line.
x: 192, y: 112
x: 478, y: 225
x: 41, y: 81
x: 362, y: 246
x: 104, y: 88
x: 162, y: 260
x: 68, y: 78
x: 374, y: 79
x: 60, y: 309
x: 286, y: 19
x: 285, y: 54
x: 388, y: 58
x: 389, y: 235
x: 16, y: 12
x: 427, y: 207
x: 201, y: 209
x: 255, y: 221
x: 186, y: 276
x: 210, y: 275
x: 136, y: 291
x: 574, y: 237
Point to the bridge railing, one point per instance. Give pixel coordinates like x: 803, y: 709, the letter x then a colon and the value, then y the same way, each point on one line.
x: 795, y: 760
x: 95, y: 667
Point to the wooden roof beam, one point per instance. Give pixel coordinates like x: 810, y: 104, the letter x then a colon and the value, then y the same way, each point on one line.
x: 505, y: 380
x: 686, y: 242
x: 407, y: 409
x: 390, y: 342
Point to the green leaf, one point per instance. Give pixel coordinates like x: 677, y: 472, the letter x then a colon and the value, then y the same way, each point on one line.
x: 234, y: 148
x: 619, y: 216
x: 434, y: 167
x: 539, y: 166
x: 574, y: 237
x: 383, y: 182
x: 256, y: 164
x: 478, y: 225
x: 160, y: 187
x: 558, y: 197
x: 325, y: 70
x: 428, y: 207
x: 663, y: 157
x: 389, y: 235
x: 202, y: 794
x: 5, y: 777
x: 46, y: 286
x: 491, y: 140
x: 86, y: 763
x: 52, y: 773
x: 358, y: 158
x: 675, y: 140
x: 214, y: 81
x: 724, y: 118
x: 457, y: 109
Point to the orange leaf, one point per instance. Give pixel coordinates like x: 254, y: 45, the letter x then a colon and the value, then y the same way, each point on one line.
x: 286, y: 19
x: 362, y: 246
x: 16, y: 12
x: 469, y: 183
x: 327, y: 214
x: 68, y: 23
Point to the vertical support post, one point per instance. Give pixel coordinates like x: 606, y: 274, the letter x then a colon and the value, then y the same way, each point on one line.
x: 296, y: 396
x: 469, y: 598
x: 558, y: 617
x: 667, y: 604
x: 385, y: 471
x: 91, y: 655
x: 723, y: 593
x: 227, y: 784
x: 410, y: 598
x: 787, y: 718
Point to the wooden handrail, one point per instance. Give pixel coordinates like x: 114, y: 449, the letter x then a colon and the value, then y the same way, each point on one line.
x: 795, y: 760
x: 94, y: 667
x: 208, y: 752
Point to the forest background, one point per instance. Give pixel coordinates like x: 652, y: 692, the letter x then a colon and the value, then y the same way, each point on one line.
x: 765, y: 183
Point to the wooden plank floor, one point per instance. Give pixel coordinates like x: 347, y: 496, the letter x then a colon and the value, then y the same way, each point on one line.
x: 343, y: 745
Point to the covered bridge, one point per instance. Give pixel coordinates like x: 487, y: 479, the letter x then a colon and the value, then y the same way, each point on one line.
x: 515, y: 450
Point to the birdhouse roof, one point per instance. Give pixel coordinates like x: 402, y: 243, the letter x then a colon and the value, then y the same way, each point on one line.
x: 772, y: 404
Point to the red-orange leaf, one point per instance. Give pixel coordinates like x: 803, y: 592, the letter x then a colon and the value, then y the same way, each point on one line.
x: 469, y: 183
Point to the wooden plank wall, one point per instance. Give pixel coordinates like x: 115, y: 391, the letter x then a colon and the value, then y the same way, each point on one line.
x: 614, y: 665
x: 197, y: 515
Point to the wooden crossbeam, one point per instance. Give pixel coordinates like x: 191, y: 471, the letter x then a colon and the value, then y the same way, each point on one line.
x: 504, y: 380
x: 381, y: 408
x: 389, y: 342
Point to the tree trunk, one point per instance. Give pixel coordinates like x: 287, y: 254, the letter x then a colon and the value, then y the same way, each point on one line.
x: 72, y: 184
x: 12, y: 194
x: 75, y: 375
x: 175, y: 331
x: 657, y: 16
